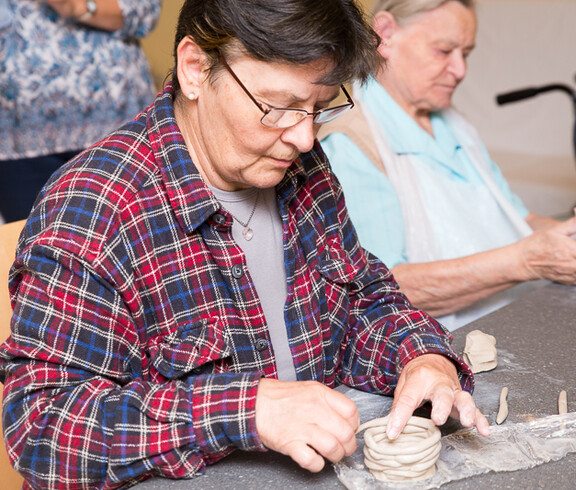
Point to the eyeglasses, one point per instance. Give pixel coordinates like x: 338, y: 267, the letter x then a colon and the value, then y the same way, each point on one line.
x: 280, y: 118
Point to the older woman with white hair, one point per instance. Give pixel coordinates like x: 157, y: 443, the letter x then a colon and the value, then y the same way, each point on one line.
x: 420, y: 186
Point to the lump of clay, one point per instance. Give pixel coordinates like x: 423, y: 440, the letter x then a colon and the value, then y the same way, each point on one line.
x: 480, y: 351
x: 412, y: 456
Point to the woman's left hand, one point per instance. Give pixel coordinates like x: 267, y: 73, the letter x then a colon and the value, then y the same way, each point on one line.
x: 108, y: 17
x: 433, y: 378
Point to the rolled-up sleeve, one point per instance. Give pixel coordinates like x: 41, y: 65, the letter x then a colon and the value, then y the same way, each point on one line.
x: 385, y: 330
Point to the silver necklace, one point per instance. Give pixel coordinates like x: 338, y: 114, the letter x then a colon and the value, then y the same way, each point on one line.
x: 248, y: 232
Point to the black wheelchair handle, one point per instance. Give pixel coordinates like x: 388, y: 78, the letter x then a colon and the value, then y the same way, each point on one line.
x: 528, y: 92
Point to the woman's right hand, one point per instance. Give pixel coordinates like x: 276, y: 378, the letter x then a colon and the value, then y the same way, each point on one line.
x: 306, y: 421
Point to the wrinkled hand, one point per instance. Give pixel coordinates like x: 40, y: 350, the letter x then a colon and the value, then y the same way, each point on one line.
x: 306, y: 421
x: 433, y: 378
x: 551, y: 253
x: 68, y: 8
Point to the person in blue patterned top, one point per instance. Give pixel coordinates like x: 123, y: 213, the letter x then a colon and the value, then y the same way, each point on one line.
x: 5, y: 15
x: 71, y: 71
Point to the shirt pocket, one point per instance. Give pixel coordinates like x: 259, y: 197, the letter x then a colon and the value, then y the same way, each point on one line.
x: 190, y: 348
x: 336, y: 275
x: 335, y: 266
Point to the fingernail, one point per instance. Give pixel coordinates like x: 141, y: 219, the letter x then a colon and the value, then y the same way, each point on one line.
x: 392, y: 431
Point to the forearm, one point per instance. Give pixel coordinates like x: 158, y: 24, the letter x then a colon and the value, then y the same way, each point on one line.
x: 386, y: 332
x: 445, y: 286
x: 91, y: 393
x: 108, y: 16
x: 381, y: 347
x: 96, y: 433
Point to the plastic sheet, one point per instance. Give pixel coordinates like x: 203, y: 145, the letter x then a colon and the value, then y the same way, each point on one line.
x: 465, y: 453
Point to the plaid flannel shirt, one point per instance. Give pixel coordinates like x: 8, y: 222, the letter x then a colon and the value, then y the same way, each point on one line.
x: 138, y: 339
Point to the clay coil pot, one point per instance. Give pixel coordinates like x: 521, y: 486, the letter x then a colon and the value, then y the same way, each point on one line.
x: 412, y: 456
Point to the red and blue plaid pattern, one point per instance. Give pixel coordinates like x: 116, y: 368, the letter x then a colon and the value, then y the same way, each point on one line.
x: 136, y: 344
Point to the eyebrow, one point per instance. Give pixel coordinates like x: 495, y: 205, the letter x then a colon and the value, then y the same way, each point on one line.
x: 453, y: 44
x: 292, y: 98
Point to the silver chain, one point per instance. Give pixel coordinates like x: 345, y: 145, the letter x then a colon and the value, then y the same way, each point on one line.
x: 247, y: 232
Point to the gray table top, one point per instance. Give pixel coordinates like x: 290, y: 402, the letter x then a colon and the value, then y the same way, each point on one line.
x: 536, y: 342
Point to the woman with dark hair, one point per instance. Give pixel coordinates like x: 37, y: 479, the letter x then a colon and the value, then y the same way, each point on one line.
x: 192, y: 284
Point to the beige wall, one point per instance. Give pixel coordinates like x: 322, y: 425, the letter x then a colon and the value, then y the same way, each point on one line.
x: 158, y: 45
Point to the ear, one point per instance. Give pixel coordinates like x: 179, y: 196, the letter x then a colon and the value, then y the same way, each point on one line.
x: 190, y: 67
x: 384, y: 24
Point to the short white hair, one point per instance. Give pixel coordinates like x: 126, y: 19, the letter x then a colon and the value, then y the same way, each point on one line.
x: 402, y: 10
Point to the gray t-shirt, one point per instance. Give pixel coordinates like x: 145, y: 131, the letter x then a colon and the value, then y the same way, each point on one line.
x: 265, y: 261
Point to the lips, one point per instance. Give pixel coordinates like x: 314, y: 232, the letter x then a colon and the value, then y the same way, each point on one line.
x: 448, y: 87
x: 283, y: 162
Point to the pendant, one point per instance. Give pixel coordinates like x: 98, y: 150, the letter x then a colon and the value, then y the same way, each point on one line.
x: 247, y: 233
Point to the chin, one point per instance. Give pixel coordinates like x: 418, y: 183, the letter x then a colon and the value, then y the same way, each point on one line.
x: 441, y: 105
x: 272, y: 179
x: 440, y: 99
x: 445, y: 102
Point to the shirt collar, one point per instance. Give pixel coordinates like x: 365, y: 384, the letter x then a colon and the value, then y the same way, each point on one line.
x: 398, y: 125
x: 190, y: 197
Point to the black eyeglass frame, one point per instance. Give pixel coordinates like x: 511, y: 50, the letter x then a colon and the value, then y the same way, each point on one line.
x: 343, y: 107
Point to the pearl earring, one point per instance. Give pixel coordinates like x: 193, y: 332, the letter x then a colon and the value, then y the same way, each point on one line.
x: 192, y: 96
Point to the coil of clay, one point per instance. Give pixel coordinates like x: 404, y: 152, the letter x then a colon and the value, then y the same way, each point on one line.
x: 412, y: 456
x: 562, y: 403
x: 503, y: 409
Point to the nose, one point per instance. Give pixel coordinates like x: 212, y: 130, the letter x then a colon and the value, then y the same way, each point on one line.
x: 301, y: 135
x: 458, y: 65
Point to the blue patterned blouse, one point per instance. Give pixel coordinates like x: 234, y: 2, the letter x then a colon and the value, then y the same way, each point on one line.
x: 64, y: 85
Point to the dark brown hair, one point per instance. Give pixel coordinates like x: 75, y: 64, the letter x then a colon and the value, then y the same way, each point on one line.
x: 290, y: 31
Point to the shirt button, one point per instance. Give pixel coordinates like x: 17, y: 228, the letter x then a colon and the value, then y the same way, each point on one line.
x: 261, y: 344
x: 237, y: 271
x: 219, y: 219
